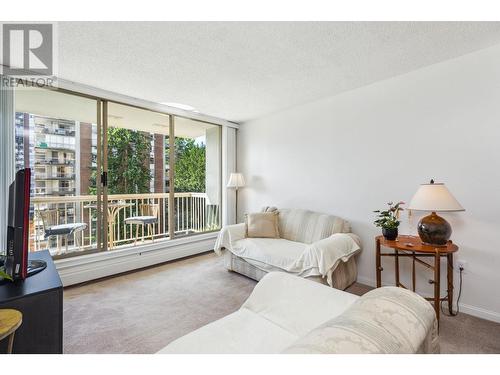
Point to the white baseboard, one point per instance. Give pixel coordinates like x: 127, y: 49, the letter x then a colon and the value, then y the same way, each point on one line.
x: 480, y: 312
x: 466, y: 309
x: 94, y: 266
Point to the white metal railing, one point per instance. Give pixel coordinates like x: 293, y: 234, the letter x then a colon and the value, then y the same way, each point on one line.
x: 54, y: 191
x: 54, y: 161
x: 47, y: 144
x: 192, y: 213
x: 55, y: 175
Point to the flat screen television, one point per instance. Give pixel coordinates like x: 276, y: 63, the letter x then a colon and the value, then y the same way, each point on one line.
x: 17, y: 265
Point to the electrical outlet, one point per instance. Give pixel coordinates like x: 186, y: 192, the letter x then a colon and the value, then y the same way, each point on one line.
x: 461, y: 264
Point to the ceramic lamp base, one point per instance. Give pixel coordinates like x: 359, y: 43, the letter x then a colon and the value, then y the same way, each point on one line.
x: 434, y: 230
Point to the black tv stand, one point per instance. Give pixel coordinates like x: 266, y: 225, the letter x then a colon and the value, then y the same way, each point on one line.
x: 40, y: 300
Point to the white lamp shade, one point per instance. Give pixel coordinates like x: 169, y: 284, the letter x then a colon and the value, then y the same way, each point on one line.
x: 236, y: 180
x: 434, y: 197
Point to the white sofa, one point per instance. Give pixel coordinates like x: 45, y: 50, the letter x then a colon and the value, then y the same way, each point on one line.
x: 311, y: 244
x: 289, y: 314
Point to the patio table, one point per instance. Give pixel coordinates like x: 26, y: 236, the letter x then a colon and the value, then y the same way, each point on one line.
x: 113, y: 210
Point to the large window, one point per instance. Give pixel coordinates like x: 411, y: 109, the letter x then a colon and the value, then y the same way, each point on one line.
x: 163, y: 173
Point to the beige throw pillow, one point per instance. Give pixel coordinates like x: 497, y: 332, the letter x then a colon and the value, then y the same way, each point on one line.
x: 262, y: 224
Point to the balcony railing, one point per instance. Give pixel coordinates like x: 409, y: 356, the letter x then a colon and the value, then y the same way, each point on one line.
x: 55, y: 176
x: 51, y: 191
x: 56, y: 131
x: 70, y: 162
x: 192, y: 213
x: 56, y: 145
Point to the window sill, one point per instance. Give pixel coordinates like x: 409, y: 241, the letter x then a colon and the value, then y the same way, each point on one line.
x: 88, y: 267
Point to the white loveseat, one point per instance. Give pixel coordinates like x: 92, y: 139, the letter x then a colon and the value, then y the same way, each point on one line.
x: 289, y: 314
x: 311, y: 244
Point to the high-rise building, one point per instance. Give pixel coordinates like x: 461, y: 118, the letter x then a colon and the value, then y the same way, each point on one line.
x: 55, y: 151
x: 61, y: 154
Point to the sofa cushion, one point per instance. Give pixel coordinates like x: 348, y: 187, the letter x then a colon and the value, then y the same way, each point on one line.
x: 276, y: 252
x: 241, y: 332
x: 308, y: 226
x: 262, y: 225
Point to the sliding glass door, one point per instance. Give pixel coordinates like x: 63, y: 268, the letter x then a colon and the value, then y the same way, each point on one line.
x: 109, y: 176
x: 136, y: 196
x: 163, y: 176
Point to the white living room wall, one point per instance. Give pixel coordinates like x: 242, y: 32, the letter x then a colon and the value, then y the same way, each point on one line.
x: 350, y: 154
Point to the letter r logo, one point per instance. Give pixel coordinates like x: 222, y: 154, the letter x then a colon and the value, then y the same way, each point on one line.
x: 27, y: 49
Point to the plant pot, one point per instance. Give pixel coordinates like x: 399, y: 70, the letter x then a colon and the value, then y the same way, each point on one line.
x: 390, y: 234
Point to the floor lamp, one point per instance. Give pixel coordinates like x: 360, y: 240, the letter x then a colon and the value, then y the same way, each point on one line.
x: 236, y: 181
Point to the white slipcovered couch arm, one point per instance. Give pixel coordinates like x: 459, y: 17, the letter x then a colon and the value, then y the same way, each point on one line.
x: 387, y: 320
x: 228, y: 235
x: 329, y: 252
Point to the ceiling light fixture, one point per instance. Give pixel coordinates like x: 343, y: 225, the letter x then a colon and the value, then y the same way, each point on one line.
x: 185, y: 107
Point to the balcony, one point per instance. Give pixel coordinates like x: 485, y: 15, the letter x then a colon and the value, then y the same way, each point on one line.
x: 51, y: 191
x: 193, y: 215
x: 56, y: 131
x: 55, y: 146
x: 54, y: 176
x: 54, y: 161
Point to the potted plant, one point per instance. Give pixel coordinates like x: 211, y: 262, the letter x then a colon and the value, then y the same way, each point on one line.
x: 388, y: 220
x: 4, y: 275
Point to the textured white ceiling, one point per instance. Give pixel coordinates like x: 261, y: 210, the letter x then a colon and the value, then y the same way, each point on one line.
x: 240, y: 70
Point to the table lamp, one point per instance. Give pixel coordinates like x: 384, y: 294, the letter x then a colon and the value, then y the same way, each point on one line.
x: 435, y: 197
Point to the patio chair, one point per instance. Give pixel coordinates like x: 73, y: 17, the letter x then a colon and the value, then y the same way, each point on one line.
x: 52, y: 228
x: 148, y: 216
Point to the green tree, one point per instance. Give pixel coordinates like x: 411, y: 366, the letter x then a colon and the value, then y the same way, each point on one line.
x: 128, y: 161
x: 189, y: 165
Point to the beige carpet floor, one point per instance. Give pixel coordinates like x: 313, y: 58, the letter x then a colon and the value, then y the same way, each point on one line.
x: 143, y: 311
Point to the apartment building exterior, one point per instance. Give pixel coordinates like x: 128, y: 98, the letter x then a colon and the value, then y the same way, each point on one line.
x: 61, y: 154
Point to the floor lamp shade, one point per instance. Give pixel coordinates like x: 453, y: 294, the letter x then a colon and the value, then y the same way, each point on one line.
x: 434, y: 197
x: 236, y: 181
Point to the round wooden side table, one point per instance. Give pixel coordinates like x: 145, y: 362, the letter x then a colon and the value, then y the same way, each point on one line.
x: 411, y: 246
x: 10, y: 320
